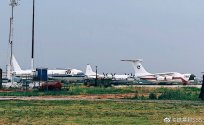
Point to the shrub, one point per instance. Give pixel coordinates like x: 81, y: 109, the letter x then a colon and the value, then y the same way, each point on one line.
x: 136, y: 96
x: 142, y: 97
x: 152, y: 96
x: 178, y: 95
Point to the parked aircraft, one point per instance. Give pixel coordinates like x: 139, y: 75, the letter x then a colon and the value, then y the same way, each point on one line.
x: 91, y: 74
x: 169, y: 77
x: 17, y: 71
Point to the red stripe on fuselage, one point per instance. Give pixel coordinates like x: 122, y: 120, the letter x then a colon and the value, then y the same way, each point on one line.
x: 174, y: 78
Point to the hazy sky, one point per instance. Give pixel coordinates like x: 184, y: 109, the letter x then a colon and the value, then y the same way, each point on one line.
x: 167, y: 34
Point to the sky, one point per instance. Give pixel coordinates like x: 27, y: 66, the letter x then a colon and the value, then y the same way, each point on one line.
x: 167, y: 34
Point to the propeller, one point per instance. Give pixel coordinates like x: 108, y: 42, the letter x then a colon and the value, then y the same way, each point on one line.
x: 112, y: 75
x: 104, y: 75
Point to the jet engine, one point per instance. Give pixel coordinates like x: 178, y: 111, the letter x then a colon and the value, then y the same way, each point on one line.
x: 160, y: 78
x: 168, y: 78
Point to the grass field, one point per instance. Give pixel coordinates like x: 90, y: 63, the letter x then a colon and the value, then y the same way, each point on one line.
x: 141, y: 93
x: 137, y: 110
x: 96, y: 112
x: 74, y: 90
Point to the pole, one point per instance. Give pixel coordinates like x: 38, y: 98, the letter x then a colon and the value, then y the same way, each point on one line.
x: 33, y: 35
x: 96, y: 80
x: 0, y: 78
x: 9, y: 68
x: 11, y: 34
x: 11, y: 30
x: 202, y: 90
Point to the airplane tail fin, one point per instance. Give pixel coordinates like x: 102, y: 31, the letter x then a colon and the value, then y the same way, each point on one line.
x: 89, y: 70
x: 139, y: 69
x: 15, y: 64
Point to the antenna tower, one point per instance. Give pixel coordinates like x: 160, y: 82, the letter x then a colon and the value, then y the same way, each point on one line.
x: 13, y: 3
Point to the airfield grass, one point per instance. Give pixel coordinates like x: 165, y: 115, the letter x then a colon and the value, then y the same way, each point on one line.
x: 141, y: 93
x: 73, y: 90
x: 97, y: 112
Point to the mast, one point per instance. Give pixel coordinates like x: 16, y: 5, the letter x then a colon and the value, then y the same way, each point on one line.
x: 33, y: 35
x: 13, y: 3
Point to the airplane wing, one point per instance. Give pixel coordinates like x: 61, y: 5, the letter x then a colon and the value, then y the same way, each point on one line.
x: 160, y: 74
x: 166, y: 73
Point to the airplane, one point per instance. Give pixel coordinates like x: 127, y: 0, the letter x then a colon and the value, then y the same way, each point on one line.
x: 121, y: 77
x: 17, y: 71
x: 90, y: 74
x: 118, y: 77
x: 166, y: 77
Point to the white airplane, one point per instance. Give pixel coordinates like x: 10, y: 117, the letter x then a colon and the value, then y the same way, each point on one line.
x: 17, y: 71
x: 168, y: 77
x: 90, y: 74
x: 121, y: 77
x: 118, y: 77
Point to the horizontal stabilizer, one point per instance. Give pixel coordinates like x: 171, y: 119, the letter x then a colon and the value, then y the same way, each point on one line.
x: 135, y: 60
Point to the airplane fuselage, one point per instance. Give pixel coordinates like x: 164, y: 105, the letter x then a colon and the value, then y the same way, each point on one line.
x: 174, y: 78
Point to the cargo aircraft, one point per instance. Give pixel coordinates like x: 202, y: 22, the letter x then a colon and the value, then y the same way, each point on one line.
x: 91, y: 74
x: 166, y: 77
x: 17, y: 71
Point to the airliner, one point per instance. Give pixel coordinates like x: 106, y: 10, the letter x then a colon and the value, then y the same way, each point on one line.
x: 167, y: 77
x: 17, y: 71
x: 91, y: 74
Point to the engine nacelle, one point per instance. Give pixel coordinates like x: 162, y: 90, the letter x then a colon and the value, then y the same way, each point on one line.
x: 169, y: 78
x: 160, y: 78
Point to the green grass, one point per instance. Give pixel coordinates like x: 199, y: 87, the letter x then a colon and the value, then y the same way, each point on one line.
x: 141, y: 93
x: 179, y: 94
x: 95, y: 112
x: 185, y: 93
x: 73, y: 90
x: 186, y: 89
